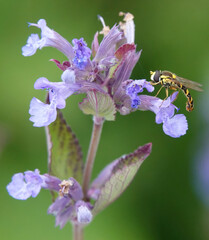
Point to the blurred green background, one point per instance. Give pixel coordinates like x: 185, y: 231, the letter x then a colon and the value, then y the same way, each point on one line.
x: 161, y: 203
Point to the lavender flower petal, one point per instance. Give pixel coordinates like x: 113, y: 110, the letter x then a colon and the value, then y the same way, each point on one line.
x: 24, y: 186
x: 64, y: 216
x: 125, y: 68
x: 68, y: 76
x: 51, y: 183
x: 49, y: 38
x: 33, y: 43
x: 34, y: 182
x: 164, y: 114
x: 75, y: 190
x: 108, y: 44
x: 18, y: 187
x: 62, y: 209
x: 42, y: 114
x: 59, y: 90
x: 175, y: 126
x: 84, y: 214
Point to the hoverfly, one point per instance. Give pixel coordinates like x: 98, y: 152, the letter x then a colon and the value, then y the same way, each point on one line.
x: 170, y: 80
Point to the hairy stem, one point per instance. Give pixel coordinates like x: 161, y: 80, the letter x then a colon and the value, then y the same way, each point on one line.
x: 95, y: 137
x: 77, y: 232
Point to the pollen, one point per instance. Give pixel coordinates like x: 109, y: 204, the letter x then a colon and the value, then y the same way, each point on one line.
x: 65, y: 187
x: 127, y: 16
x: 106, y: 29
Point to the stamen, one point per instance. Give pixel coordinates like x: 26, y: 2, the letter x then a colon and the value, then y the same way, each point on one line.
x: 65, y: 187
x: 106, y: 29
x: 127, y: 16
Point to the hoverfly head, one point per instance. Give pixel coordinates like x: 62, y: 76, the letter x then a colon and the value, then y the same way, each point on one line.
x: 155, y: 76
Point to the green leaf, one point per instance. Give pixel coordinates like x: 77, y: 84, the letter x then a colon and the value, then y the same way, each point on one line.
x: 64, y: 151
x: 116, y: 177
x: 99, y: 104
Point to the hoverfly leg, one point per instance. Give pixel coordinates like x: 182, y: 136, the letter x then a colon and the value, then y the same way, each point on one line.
x: 159, y: 91
x: 154, y: 83
x: 166, y: 92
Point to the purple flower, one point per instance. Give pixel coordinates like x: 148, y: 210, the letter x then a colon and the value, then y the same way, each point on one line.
x: 82, y: 53
x: 173, y: 125
x: 136, y: 87
x: 43, y: 114
x: 108, y: 45
x: 69, y: 206
x: 49, y: 38
x: 84, y: 214
x: 25, y: 185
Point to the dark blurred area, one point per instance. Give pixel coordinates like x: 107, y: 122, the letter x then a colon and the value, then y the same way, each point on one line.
x: 168, y: 199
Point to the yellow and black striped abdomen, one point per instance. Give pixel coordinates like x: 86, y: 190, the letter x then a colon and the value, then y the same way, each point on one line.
x: 190, y: 103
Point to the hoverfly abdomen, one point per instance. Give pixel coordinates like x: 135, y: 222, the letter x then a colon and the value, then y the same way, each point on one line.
x: 190, y: 103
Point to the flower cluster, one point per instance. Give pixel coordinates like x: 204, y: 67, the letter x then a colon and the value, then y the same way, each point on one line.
x: 108, y: 72
x: 69, y: 206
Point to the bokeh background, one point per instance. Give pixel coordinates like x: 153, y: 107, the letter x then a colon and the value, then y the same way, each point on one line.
x: 169, y: 197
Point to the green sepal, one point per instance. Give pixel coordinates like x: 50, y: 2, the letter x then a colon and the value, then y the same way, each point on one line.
x: 99, y: 104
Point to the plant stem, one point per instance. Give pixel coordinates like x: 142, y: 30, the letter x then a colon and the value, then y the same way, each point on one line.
x: 95, y: 138
x: 77, y: 232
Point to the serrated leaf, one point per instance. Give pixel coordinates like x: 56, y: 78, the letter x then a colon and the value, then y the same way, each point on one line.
x: 64, y: 151
x: 116, y: 177
x: 99, y: 104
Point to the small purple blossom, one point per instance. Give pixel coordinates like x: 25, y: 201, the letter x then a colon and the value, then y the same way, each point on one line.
x: 173, y: 125
x: 33, y: 43
x: 43, y: 114
x: 25, y: 185
x: 62, y: 209
x: 82, y: 53
x: 49, y: 38
x: 84, y: 214
x: 69, y: 205
x: 136, y: 87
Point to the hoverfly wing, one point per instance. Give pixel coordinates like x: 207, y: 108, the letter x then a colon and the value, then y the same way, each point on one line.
x: 190, y: 84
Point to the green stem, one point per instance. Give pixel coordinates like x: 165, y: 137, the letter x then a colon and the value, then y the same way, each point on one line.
x: 77, y: 232
x: 95, y: 138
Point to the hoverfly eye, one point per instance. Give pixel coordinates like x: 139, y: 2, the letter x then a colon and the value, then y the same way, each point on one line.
x: 157, y: 76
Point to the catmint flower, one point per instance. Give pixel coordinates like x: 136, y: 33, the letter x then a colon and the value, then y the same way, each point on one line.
x: 173, y: 125
x: 136, y: 87
x: 43, y: 114
x: 29, y: 184
x: 68, y: 206
x: 82, y: 53
x: 49, y: 38
x: 84, y: 214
